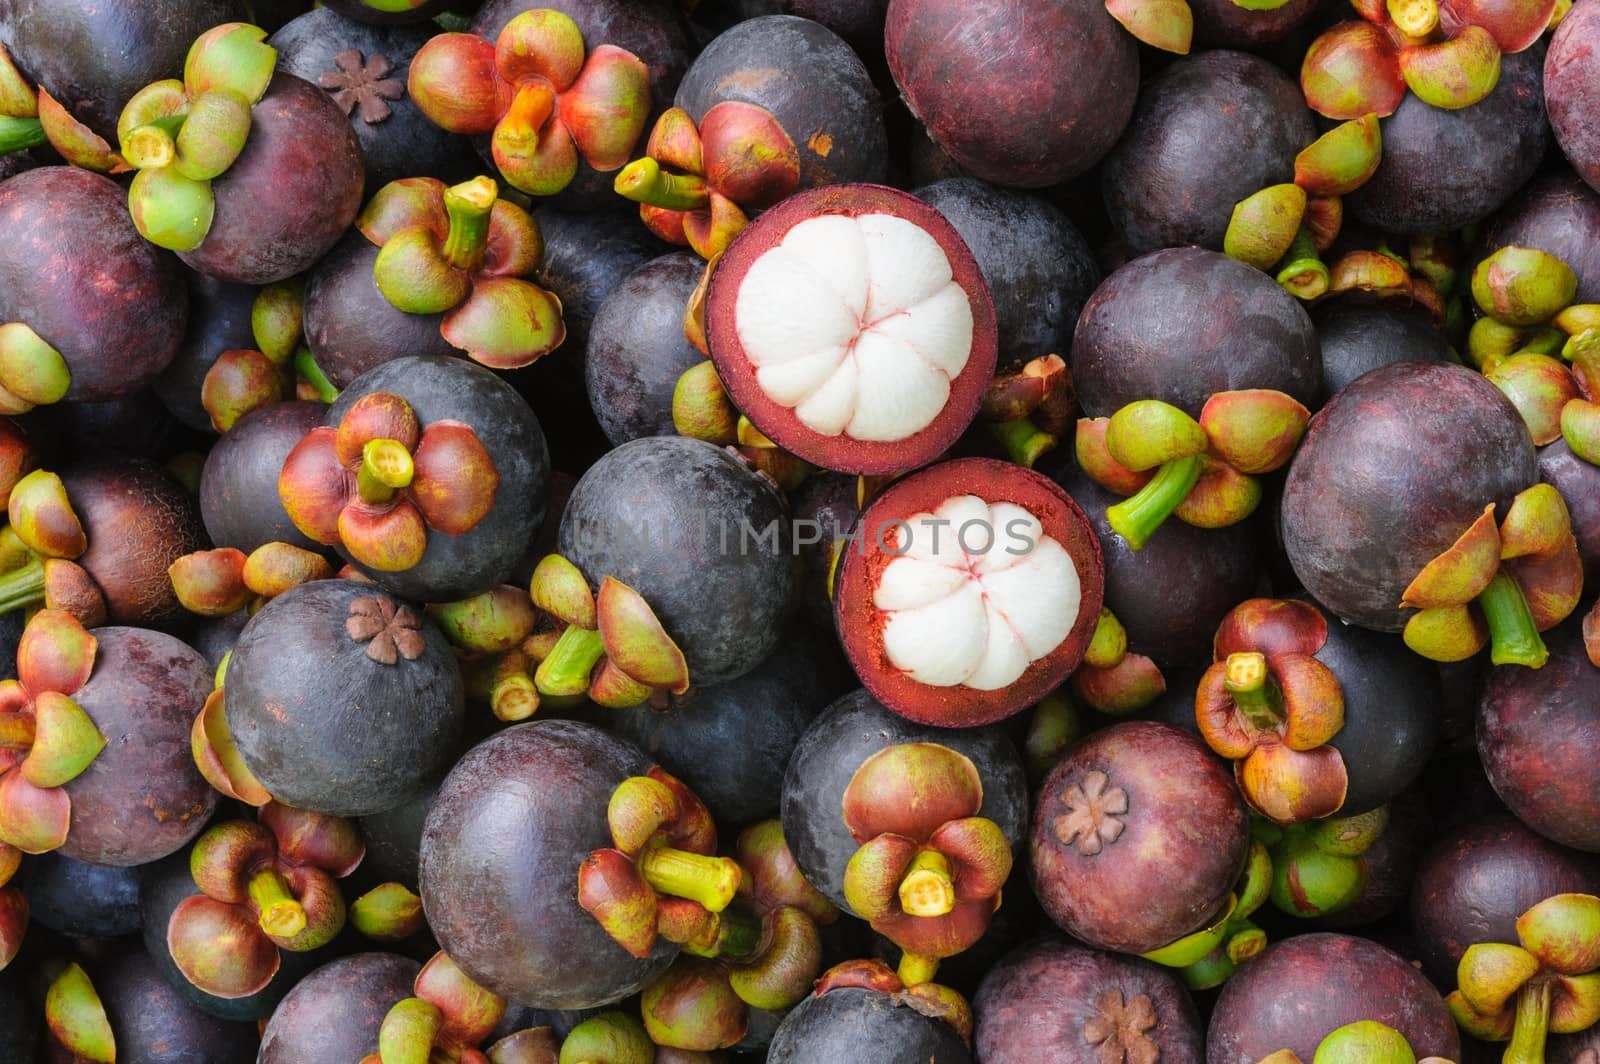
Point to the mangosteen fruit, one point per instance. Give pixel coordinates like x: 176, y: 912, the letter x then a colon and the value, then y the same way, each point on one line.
x: 852, y: 325
x: 81, y: 900
x: 968, y: 591
x: 153, y: 1024
x: 1358, y: 337
x: 108, y: 314
x: 388, y: 12
x: 1303, y: 988
x: 1579, y: 484
x: 394, y: 840
x: 861, y: 1012
x: 219, y: 320
x: 1560, y: 215
x: 1051, y: 1000
x: 429, y: 474
x: 637, y: 349
x: 1020, y: 94
x: 20, y: 1019
x: 1039, y: 268
x: 335, y: 1012
x: 1226, y: 24
x: 1138, y: 838
x: 586, y: 255
x: 135, y: 426
x: 239, y: 500
x: 1570, y: 72
x: 825, y: 508
x: 1210, y: 130
x: 343, y: 699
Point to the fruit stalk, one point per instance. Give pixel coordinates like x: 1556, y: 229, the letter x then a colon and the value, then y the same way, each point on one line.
x: 1137, y: 517
x: 20, y: 134
x: 643, y: 181
x: 282, y: 916
x: 709, y: 881
x: 1513, y: 638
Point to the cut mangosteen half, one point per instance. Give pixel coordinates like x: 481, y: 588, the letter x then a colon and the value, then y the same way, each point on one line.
x: 968, y: 591
x: 852, y: 325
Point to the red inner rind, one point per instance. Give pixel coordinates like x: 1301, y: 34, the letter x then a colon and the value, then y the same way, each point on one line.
x: 842, y: 453
x: 861, y: 623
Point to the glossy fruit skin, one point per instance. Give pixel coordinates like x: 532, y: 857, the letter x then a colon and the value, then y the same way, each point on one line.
x: 1224, y: 24
x: 858, y: 21
x: 1559, y: 214
x: 1473, y: 884
x: 501, y: 897
x: 335, y: 1012
x: 443, y: 388
x: 75, y: 270
x: 1020, y: 94
x: 637, y: 350
x: 142, y: 797
x: 290, y: 194
x: 1391, y: 471
x: 846, y: 734
x: 1446, y: 169
x: 394, y: 840
x: 863, y: 1026
x: 78, y: 899
x: 1571, y: 70
x: 360, y: 11
x: 219, y: 320
x: 1359, y: 337
x: 1039, y: 268
x: 325, y: 727
x: 92, y: 55
x: 20, y: 1020
x: 1033, y: 1004
x: 153, y: 1024
x: 239, y: 500
x: 825, y: 507
x: 730, y: 742
x: 586, y: 255
x: 1208, y: 131
x: 1579, y: 484
x: 1183, y: 323
x: 1302, y: 988
x: 810, y: 81
x: 1178, y: 793
x: 684, y: 494
x: 1536, y: 733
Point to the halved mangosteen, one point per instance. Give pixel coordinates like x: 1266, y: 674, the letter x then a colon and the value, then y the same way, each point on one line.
x: 968, y: 591
x: 852, y: 325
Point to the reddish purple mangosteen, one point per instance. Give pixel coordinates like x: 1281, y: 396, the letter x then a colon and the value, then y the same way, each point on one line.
x: 852, y: 325
x: 861, y: 1011
x: 335, y: 1012
x: 968, y: 591
x: 1571, y: 74
x: 1558, y: 214
x: 239, y: 500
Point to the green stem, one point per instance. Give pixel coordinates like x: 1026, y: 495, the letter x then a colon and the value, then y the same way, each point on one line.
x: 386, y: 467
x: 306, y: 368
x: 1302, y: 272
x: 643, y: 181
x: 24, y: 587
x: 1532, y: 1026
x: 709, y: 881
x: 927, y: 888
x: 154, y: 144
x: 917, y: 968
x: 1513, y: 638
x: 470, y: 205
x: 1023, y: 441
x: 1253, y: 689
x: 1137, y: 517
x: 514, y: 697
x: 282, y: 916
x: 738, y: 935
x: 16, y: 731
x: 20, y: 134
x: 565, y: 672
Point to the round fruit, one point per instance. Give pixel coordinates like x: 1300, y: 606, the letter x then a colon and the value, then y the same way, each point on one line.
x: 239, y: 484
x: 864, y: 1026
x: 1560, y: 215
x: 1571, y: 70
x: 1359, y: 337
x: 335, y: 1012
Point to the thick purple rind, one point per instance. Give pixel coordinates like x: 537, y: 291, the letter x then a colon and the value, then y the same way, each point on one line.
x: 1572, y: 88
x: 335, y: 1012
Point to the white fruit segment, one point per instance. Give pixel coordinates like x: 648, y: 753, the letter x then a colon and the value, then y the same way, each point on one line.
x: 857, y: 325
x: 978, y: 594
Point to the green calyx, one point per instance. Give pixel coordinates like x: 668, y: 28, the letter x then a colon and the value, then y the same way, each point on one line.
x: 1523, y: 286
x: 643, y: 181
x: 1364, y: 1042
x: 1318, y: 868
x: 1137, y: 517
x: 1513, y: 636
x: 20, y: 134
x: 420, y: 275
x: 32, y: 372
x: 1302, y: 273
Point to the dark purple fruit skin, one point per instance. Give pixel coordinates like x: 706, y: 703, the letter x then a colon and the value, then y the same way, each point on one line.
x: 445, y: 388
x: 360, y: 12
x: 1171, y: 595
x: 637, y: 350
x: 652, y: 514
x: 500, y: 855
x: 1033, y: 1005
x: 394, y: 840
x: 92, y: 55
x: 586, y: 255
x: 1300, y: 989
x: 136, y: 425
x: 1581, y: 1048
x: 1018, y: 93
x: 75, y: 270
x: 730, y: 742
x: 825, y: 510
x: 323, y: 726
x: 142, y: 797
x: 1571, y: 73
x: 858, y: 21
x: 1579, y: 484
x: 1209, y: 131
x: 1224, y: 24
x: 1391, y: 866
x: 403, y: 144
x: 78, y: 899
x: 1446, y: 169
x: 1183, y: 844
x: 164, y: 885
x: 865, y: 1027
x: 834, y: 747
x: 1039, y: 268
x: 811, y: 82
x: 351, y: 327
x: 239, y: 500
x: 219, y: 320
x: 214, y: 637
x: 1359, y: 337
x: 335, y: 1012
x: 1537, y: 730
x: 20, y: 1020
x: 1475, y: 882
x: 153, y: 1024
x: 138, y: 521
x: 1558, y: 214
x: 290, y: 195
x: 1390, y: 473
x: 1181, y: 324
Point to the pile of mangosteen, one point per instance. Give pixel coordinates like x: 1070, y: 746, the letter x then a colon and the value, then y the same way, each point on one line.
x: 816, y: 531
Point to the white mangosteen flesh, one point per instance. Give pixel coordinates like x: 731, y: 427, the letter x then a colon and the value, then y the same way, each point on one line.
x: 976, y: 594
x: 857, y: 325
